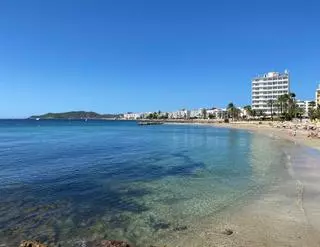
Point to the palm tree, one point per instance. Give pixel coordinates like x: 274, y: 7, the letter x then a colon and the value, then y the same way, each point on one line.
x: 231, y: 110
x: 204, y: 113
x: 314, y: 113
x: 254, y: 113
x: 248, y: 109
x: 281, y: 100
x: 299, y: 112
x: 237, y: 112
x: 270, y: 103
x: 292, y: 95
x: 287, y: 104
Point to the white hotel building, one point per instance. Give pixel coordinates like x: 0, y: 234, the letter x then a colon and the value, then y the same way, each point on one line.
x: 269, y: 87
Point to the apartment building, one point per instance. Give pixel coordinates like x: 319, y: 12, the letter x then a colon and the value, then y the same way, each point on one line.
x: 306, y: 106
x: 182, y: 114
x: 318, y: 96
x: 132, y: 116
x: 267, y: 88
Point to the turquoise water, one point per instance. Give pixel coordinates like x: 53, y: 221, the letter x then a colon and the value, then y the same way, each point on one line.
x: 70, y: 182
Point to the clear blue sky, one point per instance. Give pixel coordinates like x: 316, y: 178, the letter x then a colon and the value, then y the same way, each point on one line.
x: 116, y: 56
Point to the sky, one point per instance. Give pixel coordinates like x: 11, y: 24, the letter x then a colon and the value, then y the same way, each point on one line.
x: 114, y: 56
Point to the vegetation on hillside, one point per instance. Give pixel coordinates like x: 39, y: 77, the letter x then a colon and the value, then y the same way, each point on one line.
x: 75, y: 115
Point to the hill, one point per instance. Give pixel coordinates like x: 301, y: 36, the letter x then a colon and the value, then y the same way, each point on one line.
x: 75, y: 115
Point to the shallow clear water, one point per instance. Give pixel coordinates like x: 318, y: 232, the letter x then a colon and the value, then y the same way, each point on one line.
x: 70, y: 182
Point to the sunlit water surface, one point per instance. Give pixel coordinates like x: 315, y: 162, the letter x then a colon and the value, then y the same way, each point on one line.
x: 69, y: 182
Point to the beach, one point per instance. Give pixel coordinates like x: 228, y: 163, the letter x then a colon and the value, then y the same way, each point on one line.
x: 287, y: 131
x: 287, y: 214
x: 237, y: 184
x: 273, y: 129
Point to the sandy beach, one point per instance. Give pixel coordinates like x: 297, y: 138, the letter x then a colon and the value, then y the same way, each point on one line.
x: 286, y: 215
x: 300, y: 137
x: 272, y: 129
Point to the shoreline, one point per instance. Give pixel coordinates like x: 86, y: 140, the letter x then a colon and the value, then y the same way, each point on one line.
x: 285, y: 215
x: 297, y: 136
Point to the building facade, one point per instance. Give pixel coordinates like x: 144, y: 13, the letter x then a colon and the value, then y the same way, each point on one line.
x: 267, y: 88
x: 182, y: 114
x: 318, y: 96
x: 306, y: 106
x: 196, y: 113
x: 218, y: 113
x: 131, y: 116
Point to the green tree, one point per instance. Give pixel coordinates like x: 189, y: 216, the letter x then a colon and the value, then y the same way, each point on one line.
x: 299, y: 112
x: 314, y: 113
x: 254, y: 113
x: 271, y: 103
x: 248, y: 109
x: 281, y: 102
x: 204, y: 113
x: 288, y: 106
x: 233, y: 112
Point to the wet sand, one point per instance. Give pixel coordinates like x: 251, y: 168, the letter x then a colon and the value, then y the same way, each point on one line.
x: 288, y: 214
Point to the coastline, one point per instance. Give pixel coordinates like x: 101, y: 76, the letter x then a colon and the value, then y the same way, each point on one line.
x: 300, y: 136
x: 284, y: 214
x: 287, y: 214
x: 269, y: 128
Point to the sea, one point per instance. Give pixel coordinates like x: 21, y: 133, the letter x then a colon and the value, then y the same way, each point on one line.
x: 73, y: 182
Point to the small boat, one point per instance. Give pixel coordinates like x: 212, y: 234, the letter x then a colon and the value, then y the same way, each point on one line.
x: 37, y: 119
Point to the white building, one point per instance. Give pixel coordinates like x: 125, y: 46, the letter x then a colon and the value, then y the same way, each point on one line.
x: 182, y: 114
x: 197, y: 113
x: 243, y: 112
x: 218, y: 113
x: 318, y: 96
x: 305, y: 105
x: 211, y: 112
x: 269, y: 87
x: 132, y: 116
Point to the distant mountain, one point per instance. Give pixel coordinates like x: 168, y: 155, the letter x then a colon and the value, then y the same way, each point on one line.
x: 76, y: 115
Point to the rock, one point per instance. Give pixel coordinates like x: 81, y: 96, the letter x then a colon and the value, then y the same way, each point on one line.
x: 227, y: 231
x: 180, y: 228
x: 112, y: 243
x: 31, y: 243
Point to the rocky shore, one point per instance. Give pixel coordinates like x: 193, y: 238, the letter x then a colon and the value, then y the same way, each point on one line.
x: 103, y: 243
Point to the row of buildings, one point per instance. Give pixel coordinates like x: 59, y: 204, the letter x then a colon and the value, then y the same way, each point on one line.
x: 267, y: 88
x: 265, y: 92
x: 216, y: 113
